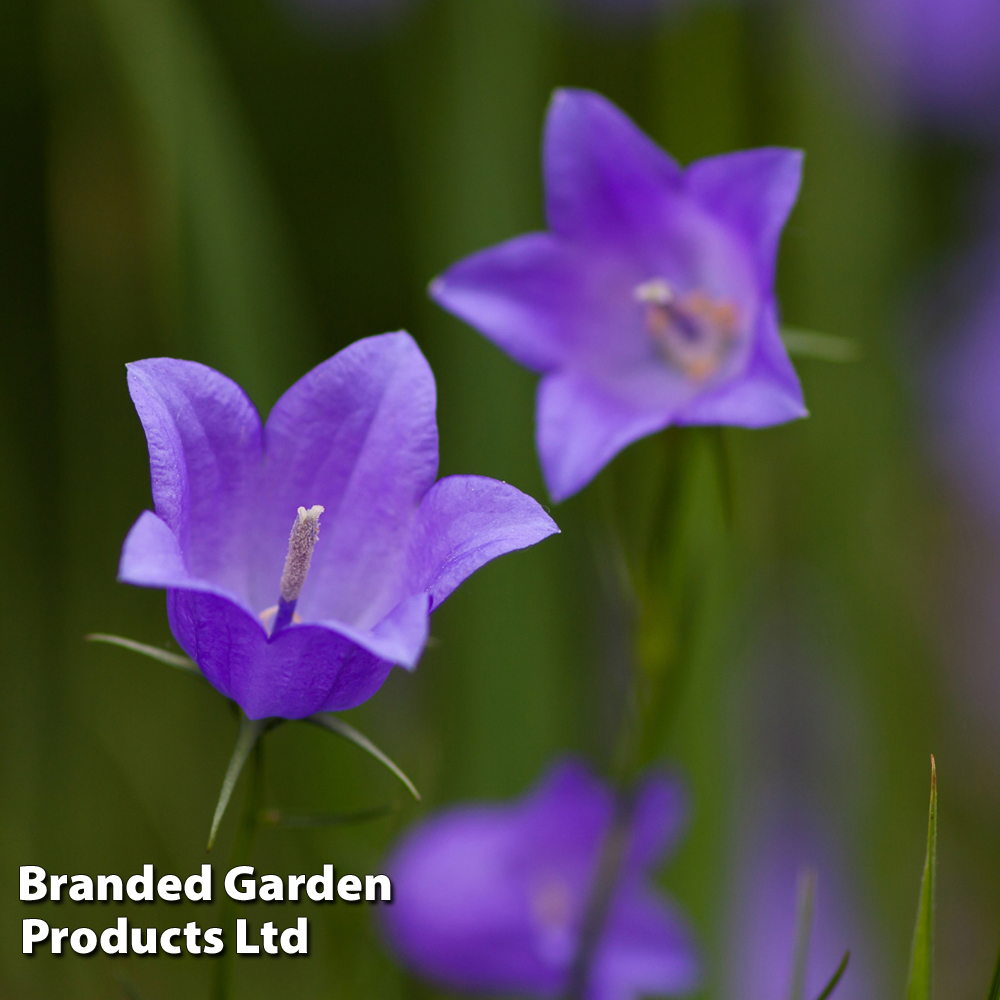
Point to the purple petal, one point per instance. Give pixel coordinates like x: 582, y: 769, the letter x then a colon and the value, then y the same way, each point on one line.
x: 767, y: 393
x: 527, y: 295
x: 646, y: 951
x: 464, y: 522
x: 152, y: 557
x: 754, y: 192
x: 581, y: 427
x: 659, y: 816
x: 304, y: 669
x: 204, y: 441
x: 357, y: 435
x: 603, y: 177
x: 459, y: 914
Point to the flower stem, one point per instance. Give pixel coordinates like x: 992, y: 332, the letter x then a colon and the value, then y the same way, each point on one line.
x: 609, y: 865
x: 246, y: 834
x: 667, y: 591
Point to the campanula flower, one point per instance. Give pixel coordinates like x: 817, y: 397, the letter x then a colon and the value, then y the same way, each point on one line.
x: 491, y: 898
x: 303, y: 558
x: 650, y: 300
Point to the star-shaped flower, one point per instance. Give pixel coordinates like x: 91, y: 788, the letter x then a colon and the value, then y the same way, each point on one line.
x: 292, y: 625
x: 651, y: 299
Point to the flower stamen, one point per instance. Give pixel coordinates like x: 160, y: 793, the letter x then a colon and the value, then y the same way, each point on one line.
x: 694, y: 332
x: 301, y: 542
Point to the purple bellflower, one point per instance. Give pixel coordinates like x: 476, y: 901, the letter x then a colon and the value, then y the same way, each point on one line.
x: 491, y: 898
x: 651, y: 299
x: 290, y: 626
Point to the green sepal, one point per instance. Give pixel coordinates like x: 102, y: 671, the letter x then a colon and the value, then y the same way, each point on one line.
x: 836, y: 977
x: 171, y: 659
x: 334, y: 724
x: 804, y: 905
x: 250, y: 731
x: 918, y: 985
x: 819, y: 346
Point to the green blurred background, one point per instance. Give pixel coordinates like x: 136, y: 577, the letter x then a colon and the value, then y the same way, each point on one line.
x: 227, y: 181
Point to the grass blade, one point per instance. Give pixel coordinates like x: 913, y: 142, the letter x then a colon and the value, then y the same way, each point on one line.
x: 995, y: 984
x: 820, y: 346
x: 250, y: 732
x: 836, y: 977
x: 804, y: 905
x: 171, y: 659
x: 918, y: 986
x: 334, y: 724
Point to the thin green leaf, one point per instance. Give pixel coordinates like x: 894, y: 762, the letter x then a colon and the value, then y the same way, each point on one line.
x: 918, y: 986
x: 836, y: 977
x: 274, y: 817
x: 820, y: 346
x: 334, y: 724
x: 804, y: 905
x: 995, y: 984
x: 171, y: 659
x: 250, y: 732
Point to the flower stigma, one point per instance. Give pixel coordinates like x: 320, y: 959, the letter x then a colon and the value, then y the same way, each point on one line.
x: 301, y: 542
x: 694, y: 332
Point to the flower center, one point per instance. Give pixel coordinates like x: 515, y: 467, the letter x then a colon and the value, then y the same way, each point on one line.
x: 553, y: 913
x: 694, y: 332
x: 301, y: 542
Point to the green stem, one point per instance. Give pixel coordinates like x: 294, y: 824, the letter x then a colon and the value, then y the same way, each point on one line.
x: 668, y: 596
x: 246, y: 834
x: 609, y: 865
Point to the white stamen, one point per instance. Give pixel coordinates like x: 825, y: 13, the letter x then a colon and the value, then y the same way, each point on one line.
x: 301, y: 542
x: 655, y: 292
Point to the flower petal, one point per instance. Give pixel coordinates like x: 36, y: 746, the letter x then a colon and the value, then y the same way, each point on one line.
x: 305, y: 669
x: 152, y: 557
x: 526, y: 295
x: 753, y: 191
x: 767, y: 393
x: 602, y: 174
x: 459, y: 916
x: 645, y: 950
x: 357, y: 435
x: 204, y: 441
x: 464, y: 522
x: 580, y: 428
x: 659, y: 816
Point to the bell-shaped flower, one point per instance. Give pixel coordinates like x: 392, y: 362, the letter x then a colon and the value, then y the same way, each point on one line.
x: 492, y: 898
x: 289, y: 625
x: 651, y: 299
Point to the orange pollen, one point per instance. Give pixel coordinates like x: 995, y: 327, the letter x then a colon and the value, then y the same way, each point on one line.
x: 694, y: 332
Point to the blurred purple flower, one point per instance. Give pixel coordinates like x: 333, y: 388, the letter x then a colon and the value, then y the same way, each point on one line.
x: 491, y: 897
x: 356, y: 435
x: 944, y: 55
x: 764, y: 916
x: 964, y: 384
x: 651, y: 300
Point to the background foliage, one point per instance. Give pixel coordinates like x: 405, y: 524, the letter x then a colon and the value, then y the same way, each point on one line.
x: 233, y: 182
